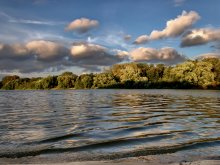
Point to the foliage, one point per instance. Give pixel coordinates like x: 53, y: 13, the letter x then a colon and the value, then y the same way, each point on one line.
x: 199, y: 74
x: 104, y: 80
x: 66, y: 80
x: 84, y: 81
x: 196, y: 73
x: 129, y: 72
x: 8, y: 82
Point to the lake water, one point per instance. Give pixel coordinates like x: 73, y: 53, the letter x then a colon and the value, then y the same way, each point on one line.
x: 108, y: 124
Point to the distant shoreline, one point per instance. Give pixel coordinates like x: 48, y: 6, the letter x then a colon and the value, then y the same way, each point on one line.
x: 198, y: 74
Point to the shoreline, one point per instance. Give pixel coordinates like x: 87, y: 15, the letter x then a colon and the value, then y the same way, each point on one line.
x: 124, y: 162
x: 202, y: 162
x: 164, y: 159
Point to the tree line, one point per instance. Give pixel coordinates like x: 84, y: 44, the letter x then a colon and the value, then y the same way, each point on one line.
x: 197, y: 74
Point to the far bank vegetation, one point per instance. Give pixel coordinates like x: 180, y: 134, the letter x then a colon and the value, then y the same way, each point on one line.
x: 198, y: 74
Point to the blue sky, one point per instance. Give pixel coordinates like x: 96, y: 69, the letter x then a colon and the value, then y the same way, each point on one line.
x: 24, y: 21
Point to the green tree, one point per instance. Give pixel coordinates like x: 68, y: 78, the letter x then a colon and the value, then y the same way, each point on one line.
x: 9, y: 82
x: 7, y: 79
x: 9, y: 85
x: 48, y: 82
x: 197, y: 73
x: 203, y: 73
x: 155, y: 72
x: 22, y: 83
x: 84, y: 81
x: 34, y: 82
x: 216, y: 67
x: 103, y: 80
x: 129, y: 72
x: 66, y: 80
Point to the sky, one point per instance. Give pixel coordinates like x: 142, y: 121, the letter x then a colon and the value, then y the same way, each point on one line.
x: 41, y: 37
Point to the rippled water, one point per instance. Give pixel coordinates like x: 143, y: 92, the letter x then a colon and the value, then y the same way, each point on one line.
x: 108, y: 123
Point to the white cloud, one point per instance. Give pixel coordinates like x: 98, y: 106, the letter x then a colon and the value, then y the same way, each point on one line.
x: 174, y: 27
x: 84, y: 49
x: 166, y: 55
x: 19, y: 32
x: 111, y: 39
x: 15, y: 51
x: 82, y: 25
x: 37, y: 22
x: 142, y: 39
x: 200, y: 36
x: 121, y: 53
x: 34, y: 56
x: 12, y: 19
x: 78, y: 50
x: 208, y: 55
x: 92, y: 55
x: 47, y: 50
x: 42, y: 55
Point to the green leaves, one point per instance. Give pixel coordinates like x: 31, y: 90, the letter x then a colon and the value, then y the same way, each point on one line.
x: 197, y: 73
x: 66, y: 80
x: 190, y: 74
x: 84, y: 81
x: 104, y: 80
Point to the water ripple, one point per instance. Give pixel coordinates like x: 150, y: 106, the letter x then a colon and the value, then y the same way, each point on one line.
x: 108, y: 122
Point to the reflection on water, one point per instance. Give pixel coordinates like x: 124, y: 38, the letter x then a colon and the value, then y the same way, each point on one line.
x: 131, y: 122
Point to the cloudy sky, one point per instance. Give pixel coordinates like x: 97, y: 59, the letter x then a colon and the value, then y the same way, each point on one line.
x: 40, y: 37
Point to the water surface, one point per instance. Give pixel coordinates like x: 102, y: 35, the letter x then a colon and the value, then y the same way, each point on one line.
x: 108, y: 124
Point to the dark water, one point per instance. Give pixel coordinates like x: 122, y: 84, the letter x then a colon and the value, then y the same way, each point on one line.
x: 108, y: 123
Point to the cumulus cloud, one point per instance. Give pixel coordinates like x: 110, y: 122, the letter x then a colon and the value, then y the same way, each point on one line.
x: 82, y: 25
x: 200, y: 37
x: 165, y: 55
x: 39, y: 49
x: 15, y: 52
x: 174, y: 27
x: 142, y: 39
x: 47, y: 50
x: 41, y: 55
x: 121, y: 53
x: 34, y: 56
x: 208, y: 55
x: 92, y: 54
